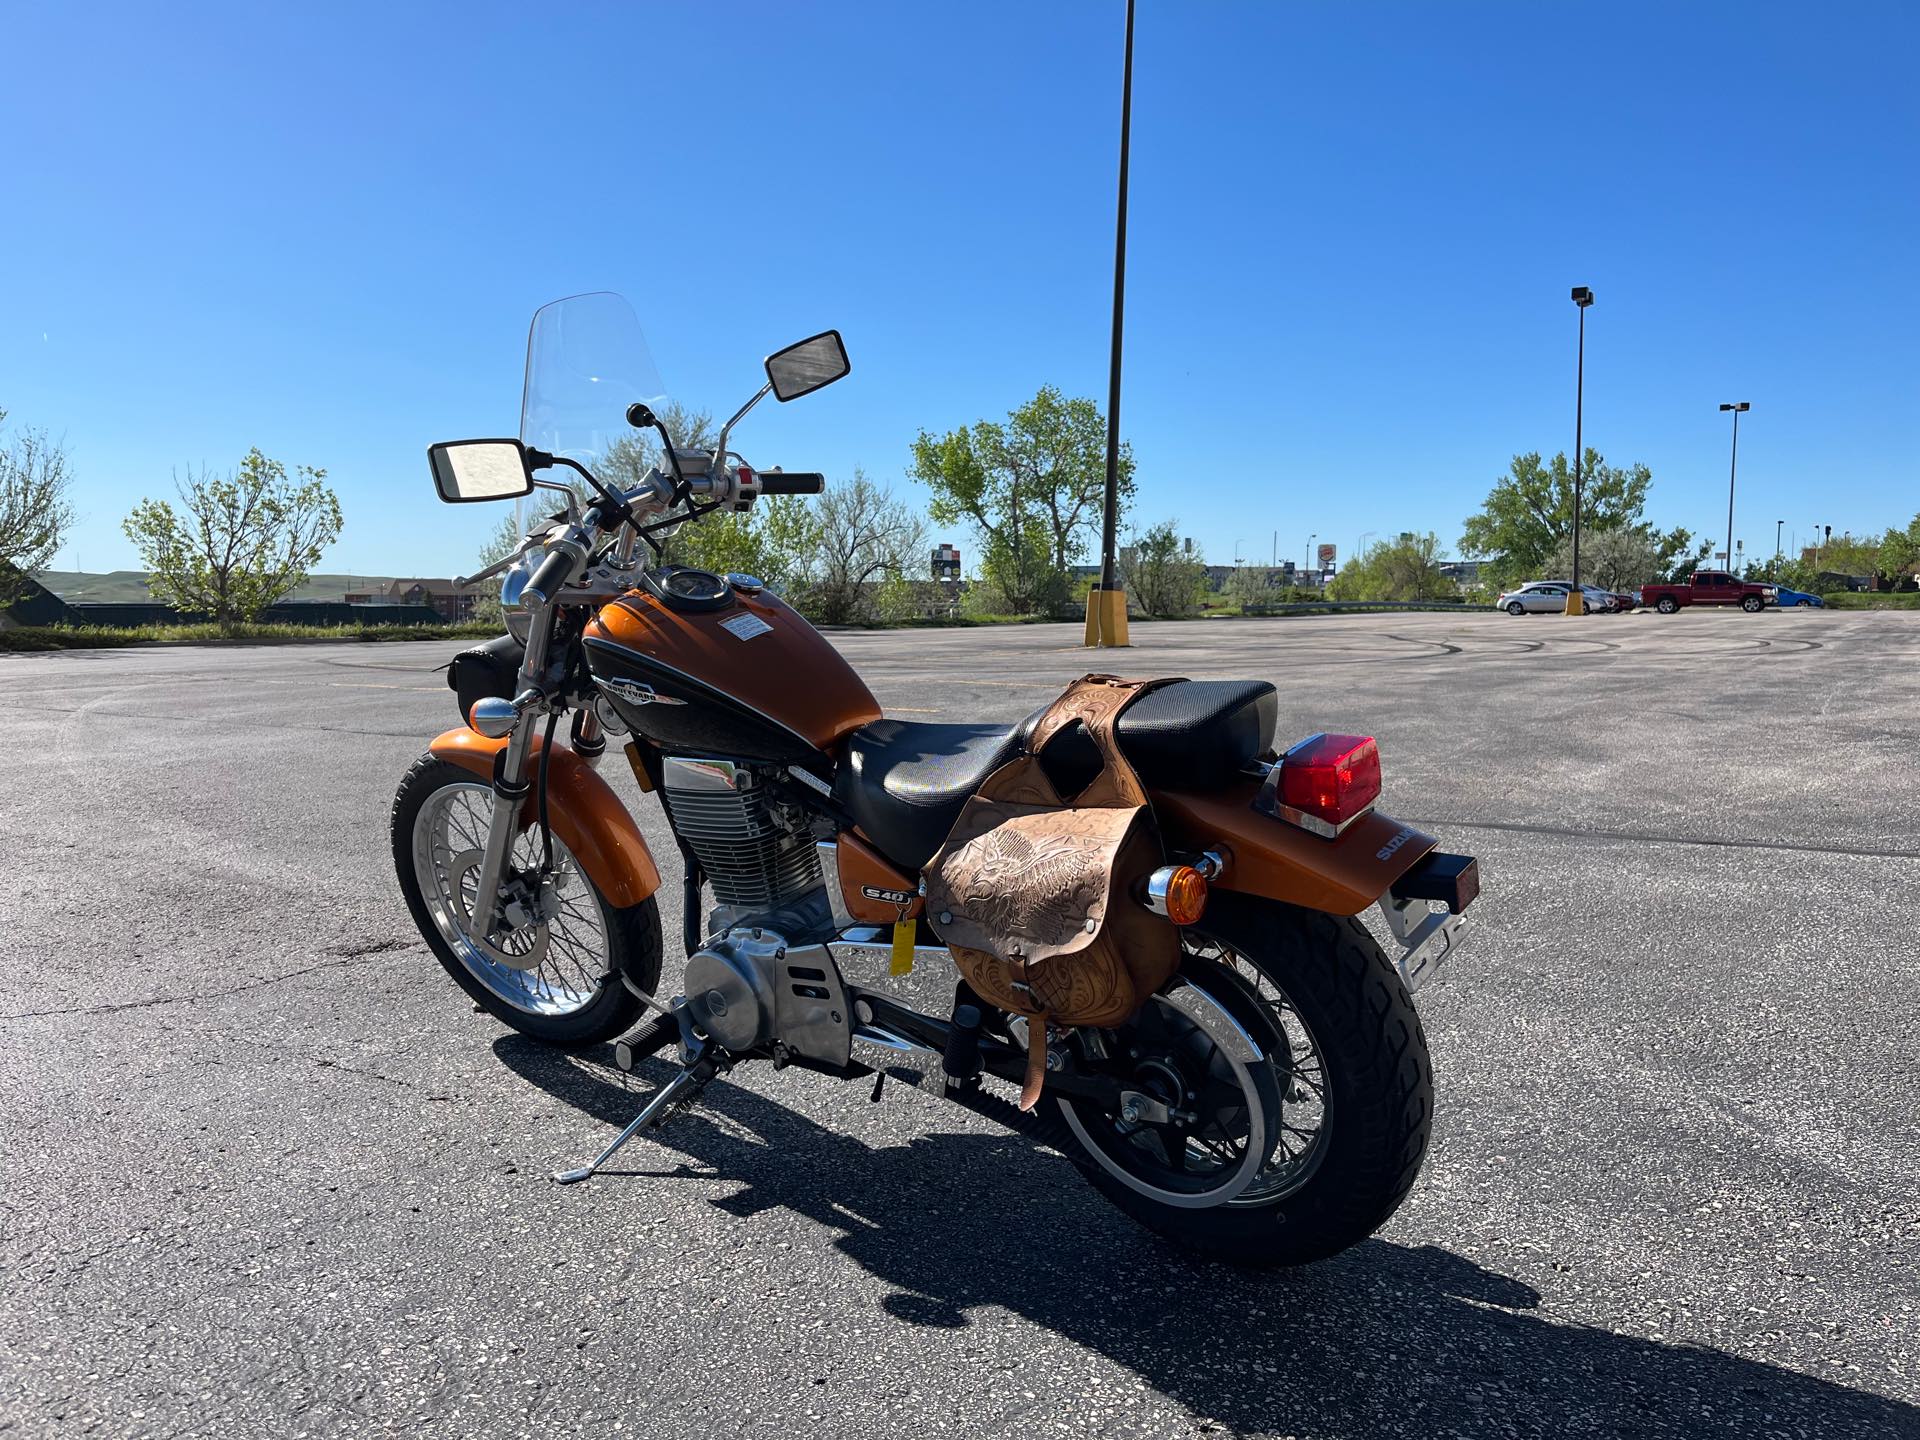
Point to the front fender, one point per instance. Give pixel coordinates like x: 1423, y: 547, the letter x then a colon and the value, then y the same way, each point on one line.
x: 1269, y: 857
x: 585, y: 813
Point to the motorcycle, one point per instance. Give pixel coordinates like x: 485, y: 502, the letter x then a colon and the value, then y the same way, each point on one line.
x: 1270, y: 1105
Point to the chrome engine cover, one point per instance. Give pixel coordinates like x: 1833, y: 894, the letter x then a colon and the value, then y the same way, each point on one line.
x: 750, y: 988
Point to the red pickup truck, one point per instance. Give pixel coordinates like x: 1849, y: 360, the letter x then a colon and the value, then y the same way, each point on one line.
x: 1710, y: 587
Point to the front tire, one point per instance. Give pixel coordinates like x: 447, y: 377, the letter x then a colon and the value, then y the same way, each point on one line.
x: 1753, y: 604
x: 1351, y: 1141
x: 558, y: 980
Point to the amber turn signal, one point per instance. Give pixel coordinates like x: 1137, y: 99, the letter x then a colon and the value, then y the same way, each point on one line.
x: 1178, y: 892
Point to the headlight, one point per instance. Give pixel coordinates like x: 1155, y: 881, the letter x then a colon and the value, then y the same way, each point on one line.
x: 519, y: 622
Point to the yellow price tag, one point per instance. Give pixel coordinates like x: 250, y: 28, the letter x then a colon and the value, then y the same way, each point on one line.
x: 902, y: 962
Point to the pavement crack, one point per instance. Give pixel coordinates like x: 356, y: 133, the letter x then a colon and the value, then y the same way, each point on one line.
x: 361, y: 958
x: 1637, y: 837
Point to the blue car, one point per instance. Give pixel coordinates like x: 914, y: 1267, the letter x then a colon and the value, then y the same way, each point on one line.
x: 1786, y: 597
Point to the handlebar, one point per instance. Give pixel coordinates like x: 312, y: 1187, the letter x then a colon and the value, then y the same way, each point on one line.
x: 551, y: 575
x: 799, y: 482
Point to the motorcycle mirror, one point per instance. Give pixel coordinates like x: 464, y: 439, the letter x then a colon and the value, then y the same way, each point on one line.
x: 810, y: 365
x: 466, y: 470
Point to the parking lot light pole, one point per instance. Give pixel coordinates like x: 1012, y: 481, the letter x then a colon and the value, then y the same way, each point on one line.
x: 1107, y: 602
x: 1582, y: 298
x: 1776, y: 543
x: 1732, y: 465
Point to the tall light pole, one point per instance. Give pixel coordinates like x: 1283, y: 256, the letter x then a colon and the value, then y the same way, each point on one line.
x: 1732, y: 465
x: 1310, y: 539
x: 1107, y: 610
x: 1582, y: 298
x: 1776, y: 542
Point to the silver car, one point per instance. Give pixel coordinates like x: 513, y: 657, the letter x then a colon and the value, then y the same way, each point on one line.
x: 1549, y: 597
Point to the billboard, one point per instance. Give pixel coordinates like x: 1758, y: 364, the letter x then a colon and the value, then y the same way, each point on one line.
x: 946, y: 562
x: 1326, y: 557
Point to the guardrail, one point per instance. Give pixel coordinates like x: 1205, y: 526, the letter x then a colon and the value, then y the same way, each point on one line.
x: 1296, y: 607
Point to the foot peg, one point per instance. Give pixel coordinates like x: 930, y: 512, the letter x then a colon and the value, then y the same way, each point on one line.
x: 960, y: 1061
x: 649, y: 1039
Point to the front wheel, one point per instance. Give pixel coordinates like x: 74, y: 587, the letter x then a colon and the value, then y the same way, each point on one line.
x: 1285, y: 1067
x: 557, y: 976
x: 1752, y: 604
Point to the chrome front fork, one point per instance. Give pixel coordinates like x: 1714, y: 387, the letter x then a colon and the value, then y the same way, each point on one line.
x: 510, y: 787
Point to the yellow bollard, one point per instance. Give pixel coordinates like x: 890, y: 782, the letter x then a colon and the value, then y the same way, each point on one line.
x: 1107, y: 617
x: 1576, y: 602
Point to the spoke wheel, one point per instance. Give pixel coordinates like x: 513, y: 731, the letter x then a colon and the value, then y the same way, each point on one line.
x: 561, y: 964
x: 1312, y: 1091
x: 1224, y: 1098
x: 553, y: 961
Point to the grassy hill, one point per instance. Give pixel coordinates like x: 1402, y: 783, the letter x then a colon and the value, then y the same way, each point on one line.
x: 124, y: 586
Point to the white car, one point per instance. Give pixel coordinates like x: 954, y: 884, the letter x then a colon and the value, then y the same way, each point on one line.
x: 1549, y: 597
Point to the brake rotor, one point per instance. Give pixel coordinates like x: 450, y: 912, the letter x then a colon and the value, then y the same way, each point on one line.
x: 525, y: 947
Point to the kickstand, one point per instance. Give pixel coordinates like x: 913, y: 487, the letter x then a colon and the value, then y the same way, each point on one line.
x: 685, y: 1084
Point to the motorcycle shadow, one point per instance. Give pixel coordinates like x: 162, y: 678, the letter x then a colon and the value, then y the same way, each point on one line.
x: 1384, y: 1340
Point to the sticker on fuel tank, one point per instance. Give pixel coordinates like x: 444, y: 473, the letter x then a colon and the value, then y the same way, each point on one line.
x: 745, y: 626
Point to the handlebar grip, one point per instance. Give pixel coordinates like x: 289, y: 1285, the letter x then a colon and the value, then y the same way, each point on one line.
x: 551, y: 575
x: 799, y: 482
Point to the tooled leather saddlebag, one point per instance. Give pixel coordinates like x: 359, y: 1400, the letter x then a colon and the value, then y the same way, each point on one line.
x: 1035, y: 892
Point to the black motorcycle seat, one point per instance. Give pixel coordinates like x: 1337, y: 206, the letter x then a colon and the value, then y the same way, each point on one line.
x: 905, y: 781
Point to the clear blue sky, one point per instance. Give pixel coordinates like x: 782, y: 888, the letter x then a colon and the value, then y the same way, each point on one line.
x: 322, y: 230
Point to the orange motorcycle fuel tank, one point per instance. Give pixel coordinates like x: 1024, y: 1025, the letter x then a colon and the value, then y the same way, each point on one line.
x: 702, y: 665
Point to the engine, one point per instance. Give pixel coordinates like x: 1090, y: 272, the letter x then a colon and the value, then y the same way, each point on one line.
x: 757, y: 851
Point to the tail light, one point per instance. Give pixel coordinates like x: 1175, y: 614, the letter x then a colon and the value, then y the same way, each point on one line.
x: 1324, y: 783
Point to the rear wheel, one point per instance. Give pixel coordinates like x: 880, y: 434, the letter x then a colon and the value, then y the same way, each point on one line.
x: 1285, y: 1067
x: 1516, y: 608
x: 558, y: 975
x: 1666, y: 605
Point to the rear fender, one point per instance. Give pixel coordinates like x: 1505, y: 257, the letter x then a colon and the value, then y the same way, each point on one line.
x: 585, y: 813
x: 1269, y: 857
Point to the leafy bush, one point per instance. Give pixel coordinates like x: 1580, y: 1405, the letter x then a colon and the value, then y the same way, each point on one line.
x: 1866, y: 600
x: 96, y: 637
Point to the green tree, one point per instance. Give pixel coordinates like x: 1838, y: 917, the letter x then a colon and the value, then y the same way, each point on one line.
x: 1900, y: 552
x: 1255, y: 588
x: 1848, y: 554
x: 239, y: 542
x: 1033, y: 488
x: 1165, y: 575
x: 34, y: 511
x: 864, y: 539
x: 502, y: 542
x: 1404, y: 569
x: 1622, y: 559
x: 1528, y: 516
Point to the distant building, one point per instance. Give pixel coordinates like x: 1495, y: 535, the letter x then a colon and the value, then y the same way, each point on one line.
x: 446, y: 599
x: 1464, y: 573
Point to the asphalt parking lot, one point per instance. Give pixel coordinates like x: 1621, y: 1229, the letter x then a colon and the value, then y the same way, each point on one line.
x: 264, y: 1171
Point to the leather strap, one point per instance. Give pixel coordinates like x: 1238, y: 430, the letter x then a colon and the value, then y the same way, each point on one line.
x: 1097, y: 702
x: 1036, y: 1062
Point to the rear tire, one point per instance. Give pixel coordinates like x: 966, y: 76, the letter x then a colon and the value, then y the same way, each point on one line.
x: 1377, y: 1111
x: 631, y: 943
x: 1666, y: 605
x: 1516, y: 608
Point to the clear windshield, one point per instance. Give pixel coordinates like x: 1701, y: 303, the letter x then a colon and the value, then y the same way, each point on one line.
x: 586, y: 363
